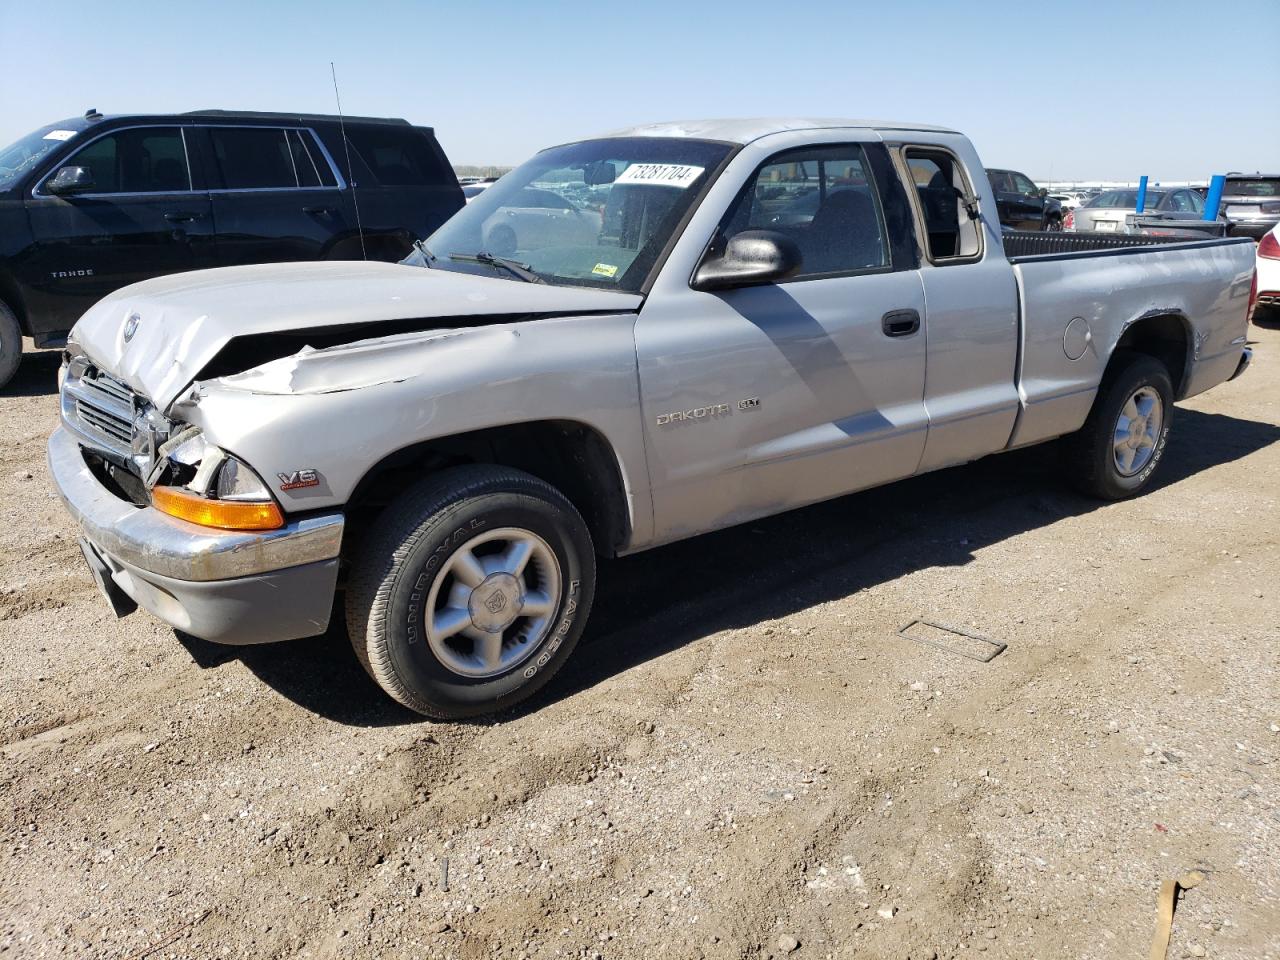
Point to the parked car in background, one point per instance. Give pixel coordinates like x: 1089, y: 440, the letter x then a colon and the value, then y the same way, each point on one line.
x: 95, y: 203
x: 448, y: 443
x: 1251, y: 203
x: 1268, y: 255
x: 1110, y: 211
x: 472, y: 187
x: 1023, y: 205
x: 538, y: 217
x: 1069, y: 201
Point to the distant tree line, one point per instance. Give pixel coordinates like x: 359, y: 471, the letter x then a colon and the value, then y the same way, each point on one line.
x: 474, y: 170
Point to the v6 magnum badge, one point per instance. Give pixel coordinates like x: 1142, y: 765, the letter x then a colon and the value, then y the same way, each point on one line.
x: 299, y: 479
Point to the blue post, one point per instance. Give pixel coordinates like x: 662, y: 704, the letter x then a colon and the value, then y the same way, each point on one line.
x: 1214, y: 199
x: 1142, y: 195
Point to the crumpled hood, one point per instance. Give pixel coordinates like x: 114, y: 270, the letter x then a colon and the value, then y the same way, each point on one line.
x: 183, y: 320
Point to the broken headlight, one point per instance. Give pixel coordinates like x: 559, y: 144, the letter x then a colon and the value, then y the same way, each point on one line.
x: 196, y: 481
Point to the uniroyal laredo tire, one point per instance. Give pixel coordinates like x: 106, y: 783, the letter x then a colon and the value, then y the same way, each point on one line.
x: 10, y: 345
x: 1095, y: 457
x: 412, y: 559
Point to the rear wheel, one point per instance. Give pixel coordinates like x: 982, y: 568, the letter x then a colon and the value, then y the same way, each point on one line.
x: 1116, y: 452
x: 10, y: 344
x: 471, y: 591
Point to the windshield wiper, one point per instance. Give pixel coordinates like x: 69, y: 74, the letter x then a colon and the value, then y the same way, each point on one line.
x: 427, y: 255
x: 514, y: 267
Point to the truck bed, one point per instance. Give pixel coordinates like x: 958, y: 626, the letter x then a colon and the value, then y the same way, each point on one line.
x: 1022, y: 244
x: 1078, y: 294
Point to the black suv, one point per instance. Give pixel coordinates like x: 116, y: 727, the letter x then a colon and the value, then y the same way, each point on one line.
x: 1023, y: 205
x: 92, y: 204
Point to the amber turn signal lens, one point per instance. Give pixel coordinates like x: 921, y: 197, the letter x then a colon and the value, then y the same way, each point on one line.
x: 224, y: 514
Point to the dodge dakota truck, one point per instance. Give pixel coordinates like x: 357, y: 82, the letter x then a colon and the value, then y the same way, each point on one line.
x: 627, y: 341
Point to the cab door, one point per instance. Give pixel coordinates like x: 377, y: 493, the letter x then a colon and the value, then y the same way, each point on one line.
x: 763, y: 398
x: 145, y: 214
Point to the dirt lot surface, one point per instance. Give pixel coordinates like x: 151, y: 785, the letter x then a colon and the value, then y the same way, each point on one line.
x: 741, y: 756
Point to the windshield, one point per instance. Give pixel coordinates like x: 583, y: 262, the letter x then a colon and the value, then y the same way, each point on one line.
x: 17, y: 158
x: 597, y: 213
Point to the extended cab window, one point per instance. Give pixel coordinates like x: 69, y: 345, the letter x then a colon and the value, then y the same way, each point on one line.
x: 140, y: 160
x: 944, y: 198
x: 257, y: 158
x: 824, y: 198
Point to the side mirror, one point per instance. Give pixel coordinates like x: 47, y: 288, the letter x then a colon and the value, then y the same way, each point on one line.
x: 70, y: 180
x: 751, y: 257
x: 1042, y: 192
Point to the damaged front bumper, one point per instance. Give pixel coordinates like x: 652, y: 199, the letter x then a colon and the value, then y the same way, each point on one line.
x: 219, y: 585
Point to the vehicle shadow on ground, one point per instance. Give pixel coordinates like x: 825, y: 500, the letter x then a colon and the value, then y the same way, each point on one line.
x: 655, y: 602
x: 37, y: 375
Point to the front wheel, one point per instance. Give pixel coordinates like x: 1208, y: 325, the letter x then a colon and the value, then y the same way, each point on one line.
x: 10, y: 344
x: 471, y: 591
x: 1115, y: 453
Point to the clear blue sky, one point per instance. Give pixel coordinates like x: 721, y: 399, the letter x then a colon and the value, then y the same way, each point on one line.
x: 1086, y: 89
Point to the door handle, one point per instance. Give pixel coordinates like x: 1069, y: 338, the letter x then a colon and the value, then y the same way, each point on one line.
x: 319, y: 211
x: 900, y: 323
x: 179, y: 217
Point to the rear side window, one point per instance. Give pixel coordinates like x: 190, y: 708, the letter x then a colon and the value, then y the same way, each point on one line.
x: 265, y: 158
x: 824, y: 198
x: 141, y: 160
x: 398, y: 156
x: 944, y: 197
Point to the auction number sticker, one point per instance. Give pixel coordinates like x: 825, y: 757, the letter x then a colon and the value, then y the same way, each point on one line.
x: 660, y: 174
x: 604, y: 270
x: 59, y: 135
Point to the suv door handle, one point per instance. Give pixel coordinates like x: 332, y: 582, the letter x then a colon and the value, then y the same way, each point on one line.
x: 900, y: 323
x: 179, y: 217
x: 319, y: 211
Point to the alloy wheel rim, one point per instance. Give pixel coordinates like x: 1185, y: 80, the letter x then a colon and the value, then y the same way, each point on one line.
x: 1137, y: 431
x: 492, y: 602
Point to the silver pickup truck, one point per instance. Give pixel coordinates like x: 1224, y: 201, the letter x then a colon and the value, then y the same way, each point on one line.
x: 626, y: 341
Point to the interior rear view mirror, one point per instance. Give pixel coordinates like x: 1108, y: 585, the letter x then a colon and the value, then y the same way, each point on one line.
x: 598, y: 173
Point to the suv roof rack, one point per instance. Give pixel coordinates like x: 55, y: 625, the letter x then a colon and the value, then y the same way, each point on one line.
x: 259, y: 115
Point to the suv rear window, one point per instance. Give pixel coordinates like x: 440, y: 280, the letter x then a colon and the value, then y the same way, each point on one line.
x: 1253, y: 187
x: 398, y: 157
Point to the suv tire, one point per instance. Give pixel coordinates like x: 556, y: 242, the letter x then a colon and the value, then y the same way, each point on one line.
x: 10, y: 345
x: 470, y: 591
x: 1115, y: 453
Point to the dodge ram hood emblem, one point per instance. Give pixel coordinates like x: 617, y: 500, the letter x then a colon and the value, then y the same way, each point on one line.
x: 131, y: 327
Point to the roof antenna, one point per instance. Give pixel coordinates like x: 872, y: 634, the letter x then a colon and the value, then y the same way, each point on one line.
x: 346, y: 146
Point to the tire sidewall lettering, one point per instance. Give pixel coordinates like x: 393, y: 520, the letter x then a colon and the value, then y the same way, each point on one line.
x: 422, y: 585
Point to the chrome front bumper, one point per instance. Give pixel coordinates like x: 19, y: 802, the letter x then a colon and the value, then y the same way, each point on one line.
x: 228, y: 586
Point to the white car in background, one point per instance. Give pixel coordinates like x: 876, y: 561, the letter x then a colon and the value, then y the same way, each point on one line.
x: 1269, y: 275
x: 1069, y: 201
x: 539, y: 218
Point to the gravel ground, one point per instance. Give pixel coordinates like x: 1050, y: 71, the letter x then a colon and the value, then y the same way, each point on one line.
x: 742, y: 760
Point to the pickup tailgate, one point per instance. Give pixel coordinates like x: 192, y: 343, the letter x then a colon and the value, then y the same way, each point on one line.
x: 1076, y: 305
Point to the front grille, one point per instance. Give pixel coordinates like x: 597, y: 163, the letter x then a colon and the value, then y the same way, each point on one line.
x: 101, y: 409
x: 105, y: 422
